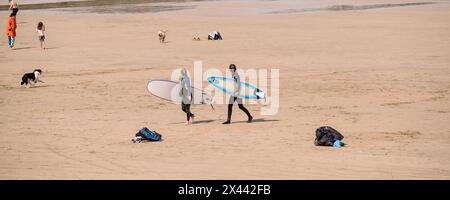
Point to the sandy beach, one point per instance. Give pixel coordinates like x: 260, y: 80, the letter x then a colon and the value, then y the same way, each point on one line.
x: 380, y: 76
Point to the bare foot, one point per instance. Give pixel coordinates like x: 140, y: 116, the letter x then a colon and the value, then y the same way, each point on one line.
x: 187, y: 123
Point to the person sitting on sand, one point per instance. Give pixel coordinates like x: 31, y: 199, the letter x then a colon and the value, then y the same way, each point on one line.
x: 40, y: 30
x: 186, y: 95
x: 234, y: 97
x: 11, y: 30
x: 13, y: 7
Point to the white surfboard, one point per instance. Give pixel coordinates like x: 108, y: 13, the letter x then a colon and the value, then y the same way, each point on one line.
x: 170, y: 90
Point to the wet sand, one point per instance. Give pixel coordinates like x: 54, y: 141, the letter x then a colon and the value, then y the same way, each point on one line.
x: 350, y: 7
x: 53, y: 4
x: 380, y: 76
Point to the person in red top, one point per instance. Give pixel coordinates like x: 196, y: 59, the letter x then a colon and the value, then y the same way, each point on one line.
x: 11, y: 30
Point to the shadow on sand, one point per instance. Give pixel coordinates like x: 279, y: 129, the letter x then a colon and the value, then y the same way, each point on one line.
x: 203, y: 121
x: 260, y: 120
x: 22, y: 48
x: 197, y: 122
x: 256, y: 121
x: 38, y: 86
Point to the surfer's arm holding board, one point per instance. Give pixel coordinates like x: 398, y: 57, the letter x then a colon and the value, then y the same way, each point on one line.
x: 237, y: 82
x: 188, y: 89
x: 185, y: 85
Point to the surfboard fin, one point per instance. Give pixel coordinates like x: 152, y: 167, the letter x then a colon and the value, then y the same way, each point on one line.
x: 260, y: 95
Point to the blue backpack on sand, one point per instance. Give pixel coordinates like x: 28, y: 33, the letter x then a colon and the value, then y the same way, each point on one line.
x: 146, y: 134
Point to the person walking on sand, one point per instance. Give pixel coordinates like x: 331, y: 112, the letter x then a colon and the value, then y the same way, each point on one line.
x: 11, y: 30
x: 40, y: 30
x: 186, y: 95
x: 13, y: 7
x: 234, y: 97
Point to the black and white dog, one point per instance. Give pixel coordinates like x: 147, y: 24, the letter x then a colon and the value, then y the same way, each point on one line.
x: 31, y: 78
x: 162, y: 35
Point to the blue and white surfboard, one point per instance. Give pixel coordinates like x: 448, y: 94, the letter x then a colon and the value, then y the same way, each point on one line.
x: 227, y: 85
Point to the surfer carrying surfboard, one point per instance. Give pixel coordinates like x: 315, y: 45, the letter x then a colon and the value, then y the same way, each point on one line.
x: 186, y: 95
x: 234, y: 97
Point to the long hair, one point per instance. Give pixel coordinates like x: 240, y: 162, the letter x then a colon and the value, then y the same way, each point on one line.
x: 40, y: 25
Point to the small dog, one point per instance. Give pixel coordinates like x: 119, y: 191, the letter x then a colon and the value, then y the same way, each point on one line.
x: 31, y: 78
x: 162, y: 35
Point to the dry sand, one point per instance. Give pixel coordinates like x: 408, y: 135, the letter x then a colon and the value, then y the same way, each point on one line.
x: 380, y: 76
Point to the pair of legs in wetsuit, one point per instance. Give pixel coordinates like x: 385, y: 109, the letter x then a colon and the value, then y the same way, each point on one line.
x: 241, y: 106
x: 186, y: 107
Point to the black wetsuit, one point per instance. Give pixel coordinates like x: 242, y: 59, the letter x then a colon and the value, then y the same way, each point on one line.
x: 241, y: 106
x: 239, y: 100
x: 187, y: 109
x: 14, y: 11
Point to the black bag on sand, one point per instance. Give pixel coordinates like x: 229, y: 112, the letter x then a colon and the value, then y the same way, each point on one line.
x: 146, y: 134
x: 326, y: 136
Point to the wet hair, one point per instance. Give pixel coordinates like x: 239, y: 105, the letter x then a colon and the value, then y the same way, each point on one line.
x: 40, y: 25
x: 232, y: 66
